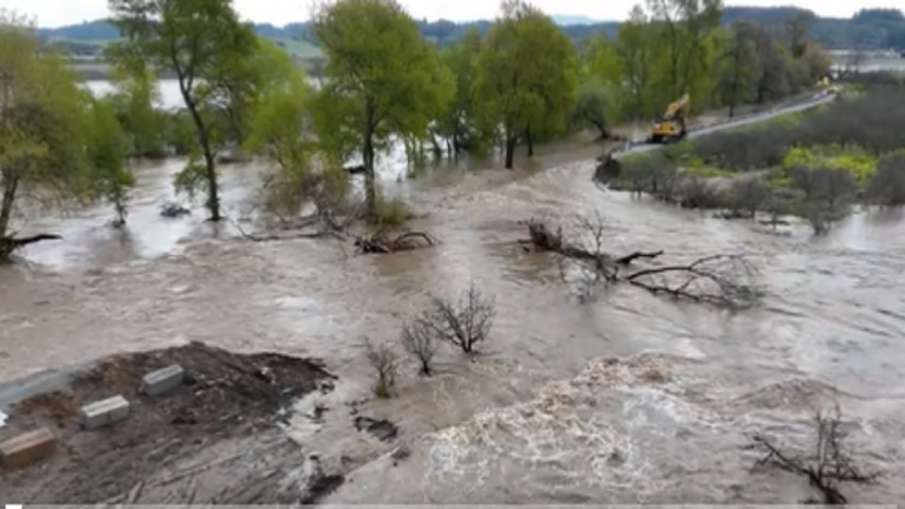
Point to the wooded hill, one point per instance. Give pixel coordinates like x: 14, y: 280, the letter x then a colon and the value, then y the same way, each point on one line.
x: 869, y: 30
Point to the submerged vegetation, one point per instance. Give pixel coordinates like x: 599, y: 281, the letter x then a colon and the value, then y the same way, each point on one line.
x: 814, y: 165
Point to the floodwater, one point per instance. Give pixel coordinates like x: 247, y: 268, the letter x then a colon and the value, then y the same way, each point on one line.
x: 628, y: 398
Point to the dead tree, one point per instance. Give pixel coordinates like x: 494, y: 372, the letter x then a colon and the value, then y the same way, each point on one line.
x: 828, y: 465
x: 381, y: 243
x: 465, y: 323
x: 726, y: 280
x: 384, y: 360
x: 720, y: 279
x: 418, y: 339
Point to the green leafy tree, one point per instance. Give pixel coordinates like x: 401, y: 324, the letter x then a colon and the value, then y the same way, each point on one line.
x: 43, y: 116
x: 107, y: 147
x: 206, y: 46
x: 459, y: 121
x: 134, y: 104
x: 280, y: 129
x: 740, y: 67
x: 526, y: 77
x: 686, y: 28
x: 383, y: 79
x: 595, y: 106
x: 635, y: 45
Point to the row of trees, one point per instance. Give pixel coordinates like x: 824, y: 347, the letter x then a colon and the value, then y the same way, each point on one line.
x: 521, y: 82
x: 673, y: 47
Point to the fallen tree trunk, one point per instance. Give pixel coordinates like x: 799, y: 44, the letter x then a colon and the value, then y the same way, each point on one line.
x: 9, y: 244
x: 379, y: 244
x: 722, y: 279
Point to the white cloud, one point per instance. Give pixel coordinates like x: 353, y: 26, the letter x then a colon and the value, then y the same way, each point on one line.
x: 280, y: 12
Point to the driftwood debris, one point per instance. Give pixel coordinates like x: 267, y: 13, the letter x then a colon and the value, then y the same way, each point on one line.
x: 724, y: 279
x: 380, y: 243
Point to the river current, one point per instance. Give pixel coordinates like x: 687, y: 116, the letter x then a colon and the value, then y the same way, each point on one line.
x: 628, y: 398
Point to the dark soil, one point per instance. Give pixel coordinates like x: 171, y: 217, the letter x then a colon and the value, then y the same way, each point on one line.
x: 214, y: 440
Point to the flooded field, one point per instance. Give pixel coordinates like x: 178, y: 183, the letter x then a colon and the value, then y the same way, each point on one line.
x: 630, y: 398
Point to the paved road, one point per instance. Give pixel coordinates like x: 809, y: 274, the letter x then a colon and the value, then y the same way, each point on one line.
x: 817, y: 100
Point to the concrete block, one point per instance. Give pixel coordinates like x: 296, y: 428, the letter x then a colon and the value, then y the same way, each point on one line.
x: 27, y: 448
x: 104, y: 412
x: 163, y: 380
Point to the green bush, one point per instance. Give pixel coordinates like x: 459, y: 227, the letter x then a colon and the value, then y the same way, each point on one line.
x: 887, y: 187
x: 852, y: 159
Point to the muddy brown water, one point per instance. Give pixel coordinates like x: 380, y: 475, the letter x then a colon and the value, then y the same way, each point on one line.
x: 630, y: 398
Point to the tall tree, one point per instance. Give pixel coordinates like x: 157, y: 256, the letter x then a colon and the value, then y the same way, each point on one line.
x: 204, y: 44
x: 107, y: 146
x: 687, y: 25
x: 526, y: 76
x: 43, y: 119
x: 458, y: 122
x: 740, y: 66
x: 383, y: 79
x: 637, y: 53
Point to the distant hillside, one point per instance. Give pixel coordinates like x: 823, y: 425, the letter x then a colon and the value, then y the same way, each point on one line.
x: 869, y: 29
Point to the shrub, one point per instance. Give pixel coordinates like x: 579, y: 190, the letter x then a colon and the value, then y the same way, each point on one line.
x: 466, y: 323
x: 747, y: 196
x: 887, y: 187
x: 852, y: 159
x: 383, y: 360
x: 418, y: 339
x: 698, y: 193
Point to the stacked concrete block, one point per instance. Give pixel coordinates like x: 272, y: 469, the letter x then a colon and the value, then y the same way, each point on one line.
x: 163, y: 381
x: 27, y: 448
x: 103, y: 413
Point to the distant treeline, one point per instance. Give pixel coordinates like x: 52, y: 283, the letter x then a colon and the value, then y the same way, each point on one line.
x: 870, y: 29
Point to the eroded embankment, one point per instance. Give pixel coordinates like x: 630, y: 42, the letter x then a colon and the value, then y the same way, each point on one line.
x: 215, y: 439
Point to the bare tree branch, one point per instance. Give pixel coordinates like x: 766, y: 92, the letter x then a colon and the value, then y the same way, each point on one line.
x: 723, y: 279
x: 829, y: 465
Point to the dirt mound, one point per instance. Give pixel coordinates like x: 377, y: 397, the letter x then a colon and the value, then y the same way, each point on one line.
x: 191, y: 445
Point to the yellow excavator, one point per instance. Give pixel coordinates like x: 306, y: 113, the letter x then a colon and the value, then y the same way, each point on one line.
x: 671, y: 126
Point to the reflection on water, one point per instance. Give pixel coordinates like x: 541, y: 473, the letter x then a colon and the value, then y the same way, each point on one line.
x: 541, y: 416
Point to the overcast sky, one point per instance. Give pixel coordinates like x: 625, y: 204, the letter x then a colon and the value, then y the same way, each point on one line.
x: 51, y: 13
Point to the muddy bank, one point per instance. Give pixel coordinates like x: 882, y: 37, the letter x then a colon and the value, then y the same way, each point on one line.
x: 215, y: 439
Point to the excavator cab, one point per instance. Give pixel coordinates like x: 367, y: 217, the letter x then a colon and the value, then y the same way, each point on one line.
x: 671, y: 126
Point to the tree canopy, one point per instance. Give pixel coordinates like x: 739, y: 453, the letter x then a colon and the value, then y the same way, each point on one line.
x: 383, y: 79
x: 208, y: 48
x: 526, y: 77
x: 42, y: 115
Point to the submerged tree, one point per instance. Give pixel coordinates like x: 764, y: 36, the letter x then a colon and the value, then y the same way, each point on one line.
x: 205, y: 45
x: 458, y: 122
x: 279, y: 128
x: 110, y: 178
x: 43, y: 120
x: 383, y: 79
x: 526, y: 77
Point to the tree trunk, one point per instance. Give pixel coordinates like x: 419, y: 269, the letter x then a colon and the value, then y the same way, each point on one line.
x: 530, y: 140
x: 368, y: 156
x: 10, y: 184
x: 213, y: 192
x: 510, y: 152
